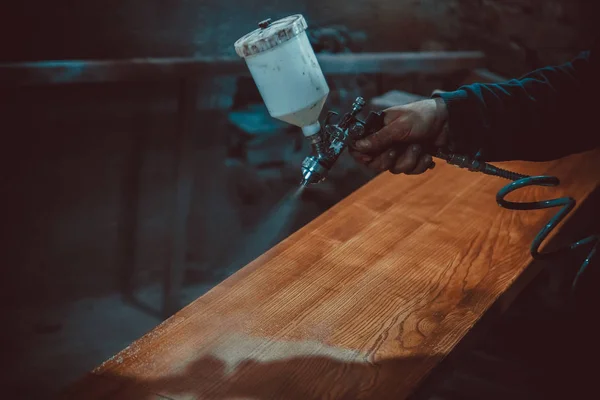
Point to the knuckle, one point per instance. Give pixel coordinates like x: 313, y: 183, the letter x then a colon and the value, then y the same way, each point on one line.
x: 405, y: 166
x: 416, y: 171
x: 398, y: 169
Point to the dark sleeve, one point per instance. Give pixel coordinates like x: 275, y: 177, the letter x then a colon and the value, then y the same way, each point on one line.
x: 546, y: 114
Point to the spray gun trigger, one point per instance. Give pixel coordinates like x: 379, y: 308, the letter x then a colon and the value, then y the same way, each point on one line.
x: 374, y: 122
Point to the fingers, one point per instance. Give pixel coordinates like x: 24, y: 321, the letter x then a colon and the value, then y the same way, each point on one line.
x: 376, y: 142
x: 407, y: 161
x: 389, y: 149
x: 385, y: 160
x: 380, y: 162
x: 413, y: 162
x: 361, y: 158
x: 424, y: 163
x: 399, y: 159
x: 394, y: 131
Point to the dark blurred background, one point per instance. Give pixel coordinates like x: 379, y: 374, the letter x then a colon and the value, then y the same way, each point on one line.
x: 88, y: 169
x: 517, y: 35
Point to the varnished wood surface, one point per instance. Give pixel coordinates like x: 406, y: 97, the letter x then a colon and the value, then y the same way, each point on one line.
x: 93, y: 71
x: 361, y: 303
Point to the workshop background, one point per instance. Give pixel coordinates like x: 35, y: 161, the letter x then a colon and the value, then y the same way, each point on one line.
x: 88, y: 174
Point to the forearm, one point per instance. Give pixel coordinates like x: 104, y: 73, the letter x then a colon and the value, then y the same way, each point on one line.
x: 540, y: 116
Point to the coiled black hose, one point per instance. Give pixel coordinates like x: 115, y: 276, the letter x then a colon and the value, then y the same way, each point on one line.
x: 520, y: 181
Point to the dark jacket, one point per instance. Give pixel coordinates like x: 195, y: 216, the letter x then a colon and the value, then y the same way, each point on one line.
x: 547, y: 114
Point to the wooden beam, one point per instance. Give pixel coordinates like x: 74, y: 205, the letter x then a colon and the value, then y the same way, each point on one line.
x: 140, y: 69
x: 400, y: 63
x: 98, y: 71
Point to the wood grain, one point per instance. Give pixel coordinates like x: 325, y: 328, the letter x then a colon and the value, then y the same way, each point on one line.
x: 139, y: 69
x: 361, y: 303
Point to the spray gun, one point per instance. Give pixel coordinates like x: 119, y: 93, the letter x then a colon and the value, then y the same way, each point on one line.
x: 288, y: 76
x: 291, y: 83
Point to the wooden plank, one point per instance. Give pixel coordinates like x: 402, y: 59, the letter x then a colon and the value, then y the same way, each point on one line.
x: 92, y: 71
x: 363, y: 302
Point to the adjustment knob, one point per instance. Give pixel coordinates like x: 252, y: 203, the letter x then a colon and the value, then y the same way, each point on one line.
x: 358, y: 105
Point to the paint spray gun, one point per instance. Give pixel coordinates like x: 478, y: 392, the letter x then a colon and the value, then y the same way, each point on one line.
x: 291, y: 83
x: 285, y: 69
x: 288, y: 76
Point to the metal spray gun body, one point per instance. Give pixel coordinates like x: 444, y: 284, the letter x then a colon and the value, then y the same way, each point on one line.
x: 329, y: 143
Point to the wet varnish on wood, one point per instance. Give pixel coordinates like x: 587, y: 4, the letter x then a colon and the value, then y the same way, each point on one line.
x: 361, y: 303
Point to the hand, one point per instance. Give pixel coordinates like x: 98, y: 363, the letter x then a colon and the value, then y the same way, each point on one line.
x: 398, y: 146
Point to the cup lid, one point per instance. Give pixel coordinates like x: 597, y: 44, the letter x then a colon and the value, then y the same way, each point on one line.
x: 270, y: 34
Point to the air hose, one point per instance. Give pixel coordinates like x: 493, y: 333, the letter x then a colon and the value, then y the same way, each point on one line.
x: 566, y: 205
